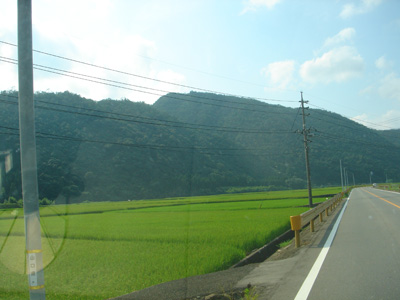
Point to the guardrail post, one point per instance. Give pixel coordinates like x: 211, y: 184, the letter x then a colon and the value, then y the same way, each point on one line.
x: 312, y: 225
x: 310, y: 216
x: 295, y: 223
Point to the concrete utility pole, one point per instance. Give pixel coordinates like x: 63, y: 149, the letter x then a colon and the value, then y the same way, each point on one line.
x: 305, y: 135
x: 34, y: 258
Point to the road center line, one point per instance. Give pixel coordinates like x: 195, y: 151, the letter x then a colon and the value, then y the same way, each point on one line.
x: 382, y: 198
x: 308, y: 283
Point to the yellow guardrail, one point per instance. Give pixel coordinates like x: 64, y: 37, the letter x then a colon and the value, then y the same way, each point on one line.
x: 308, y: 217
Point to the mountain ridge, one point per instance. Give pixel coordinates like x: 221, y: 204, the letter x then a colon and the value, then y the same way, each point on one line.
x: 186, y: 144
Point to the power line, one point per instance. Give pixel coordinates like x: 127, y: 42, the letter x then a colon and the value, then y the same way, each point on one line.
x: 180, y: 124
x: 372, y: 123
x: 347, y: 108
x: 202, y: 150
x: 183, y: 125
x: 295, y: 118
x: 152, y: 121
x: 182, y: 98
x: 339, y: 118
x: 148, y: 78
x: 178, y: 148
x: 336, y: 137
x: 382, y: 133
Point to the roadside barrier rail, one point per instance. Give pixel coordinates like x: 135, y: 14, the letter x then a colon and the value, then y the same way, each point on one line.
x: 308, y: 217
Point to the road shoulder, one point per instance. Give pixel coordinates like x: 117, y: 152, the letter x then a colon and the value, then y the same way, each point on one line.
x: 281, y: 276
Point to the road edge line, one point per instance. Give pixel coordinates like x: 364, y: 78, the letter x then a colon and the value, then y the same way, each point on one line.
x: 308, y: 283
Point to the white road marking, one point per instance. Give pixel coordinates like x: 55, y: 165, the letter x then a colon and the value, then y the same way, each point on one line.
x: 393, y: 192
x: 308, y: 283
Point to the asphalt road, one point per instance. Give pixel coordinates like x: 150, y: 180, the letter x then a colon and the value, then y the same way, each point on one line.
x: 363, y: 261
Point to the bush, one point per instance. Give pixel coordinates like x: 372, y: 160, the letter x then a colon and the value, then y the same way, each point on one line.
x: 45, y: 201
x: 11, y: 200
x: 20, y: 203
x: 8, y: 205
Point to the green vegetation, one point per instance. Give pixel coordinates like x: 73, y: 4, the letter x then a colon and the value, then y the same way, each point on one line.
x: 285, y: 243
x: 182, y: 146
x: 101, y: 250
x: 389, y: 186
x: 250, y: 294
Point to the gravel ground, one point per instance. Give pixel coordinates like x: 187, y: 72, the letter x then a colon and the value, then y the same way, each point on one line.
x: 196, y: 287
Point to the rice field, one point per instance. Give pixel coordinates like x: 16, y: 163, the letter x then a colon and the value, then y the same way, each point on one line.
x: 103, y: 250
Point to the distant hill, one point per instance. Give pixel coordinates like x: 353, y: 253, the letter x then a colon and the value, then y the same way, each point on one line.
x: 186, y: 144
x: 336, y: 138
x: 392, y: 136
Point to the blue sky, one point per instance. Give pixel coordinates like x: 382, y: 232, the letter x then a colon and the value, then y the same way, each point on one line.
x: 343, y: 54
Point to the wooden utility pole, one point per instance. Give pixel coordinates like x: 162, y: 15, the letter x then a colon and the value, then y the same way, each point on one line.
x: 305, y: 136
x: 34, y: 257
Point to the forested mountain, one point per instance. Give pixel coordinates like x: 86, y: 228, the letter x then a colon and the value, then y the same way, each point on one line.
x: 186, y: 144
x: 392, y: 135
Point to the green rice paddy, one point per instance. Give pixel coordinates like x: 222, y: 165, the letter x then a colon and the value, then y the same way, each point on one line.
x: 103, y: 250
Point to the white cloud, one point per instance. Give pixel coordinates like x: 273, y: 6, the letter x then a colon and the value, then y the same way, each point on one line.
x: 382, y: 63
x: 337, y: 65
x: 99, y: 39
x: 8, y: 33
x: 388, y: 120
x: 66, y: 29
x: 391, y: 119
x: 9, y: 70
x: 57, y: 20
x: 386, y: 89
x: 365, y: 6
x: 8, y: 17
x: 344, y: 35
x: 280, y: 73
x: 252, y: 5
x: 122, y: 53
x: 48, y: 82
x: 390, y: 87
x: 362, y: 119
x: 169, y: 76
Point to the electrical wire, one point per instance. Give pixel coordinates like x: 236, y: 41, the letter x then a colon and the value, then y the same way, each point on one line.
x: 182, y: 98
x: 295, y: 118
x: 153, y: 121
x: 148, y: 78
x: 55, y: 71
x: 336, y: 137
x: 324, y: 134
x: 196, y: 128
x: 354, y: 119
x: 201, y: 150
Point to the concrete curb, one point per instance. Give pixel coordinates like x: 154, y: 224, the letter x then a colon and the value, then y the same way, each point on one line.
x: 266, y: 251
